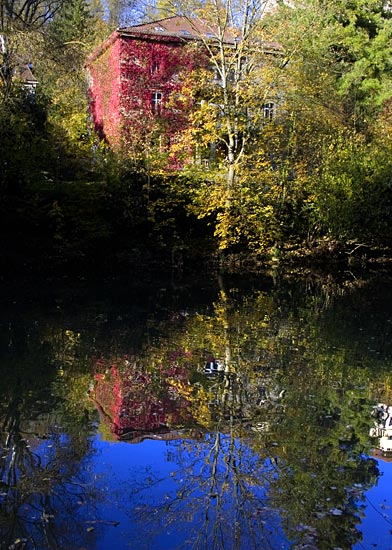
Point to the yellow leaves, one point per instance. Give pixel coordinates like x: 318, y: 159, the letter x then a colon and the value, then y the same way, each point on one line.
x: 200, y: 406
x: 226, y: 230
x: 209, y: 197
x: 73, y: 337
x: 204, y: 123
x: 196, y: 82
x: 183, y: 389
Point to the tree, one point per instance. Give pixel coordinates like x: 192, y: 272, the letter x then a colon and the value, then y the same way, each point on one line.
x: 167, y: 8
x: 364, y: 51
x: 234, y: 49
x: 73, y: 22
x: 18, y: 19
x: 351, y: 42
x: 117, y: 13
x: 337, y: 82
x: 27, y: 13
x: 230, y: 99
x: 41, y: 132
x: 70, y: 35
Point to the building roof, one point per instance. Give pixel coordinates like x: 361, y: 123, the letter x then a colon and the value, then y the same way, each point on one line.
x: 178, y: 26
x: 26, y: 74
x: 188, y: 29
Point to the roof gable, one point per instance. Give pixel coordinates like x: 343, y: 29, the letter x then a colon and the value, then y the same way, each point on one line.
x: 26, y: 74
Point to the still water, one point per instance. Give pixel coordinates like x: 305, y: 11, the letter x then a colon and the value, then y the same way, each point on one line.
x: 218, y: 413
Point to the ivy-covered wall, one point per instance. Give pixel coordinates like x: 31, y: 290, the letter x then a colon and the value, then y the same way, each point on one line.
x: 137, y: 99
x: 104, y: 91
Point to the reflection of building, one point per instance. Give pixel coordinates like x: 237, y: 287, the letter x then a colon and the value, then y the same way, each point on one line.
x: 382, y: 430
x: 134, y: 406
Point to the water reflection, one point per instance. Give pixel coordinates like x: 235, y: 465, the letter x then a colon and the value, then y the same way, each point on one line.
x: 43, y: 482
x: 270, y: 450
x: 135, y: 402
x: 219, y: 499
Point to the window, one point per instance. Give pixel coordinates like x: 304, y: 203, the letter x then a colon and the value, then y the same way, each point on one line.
x: 269, y: 110
x: 155, y: 67
x: 159, y: 29
x: 185, y: 32
x: 243, y: 66
x: 156, y: 102
x: 136, y: 61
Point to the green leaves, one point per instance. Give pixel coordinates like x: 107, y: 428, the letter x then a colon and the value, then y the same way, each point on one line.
x: 353, y: 193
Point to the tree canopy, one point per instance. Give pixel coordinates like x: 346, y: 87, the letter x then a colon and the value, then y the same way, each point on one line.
x: 288, y: 124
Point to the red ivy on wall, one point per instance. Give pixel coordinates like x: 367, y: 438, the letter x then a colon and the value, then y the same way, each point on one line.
x: 134, y: 401
x: 105, y: 99
x: 135, y: 90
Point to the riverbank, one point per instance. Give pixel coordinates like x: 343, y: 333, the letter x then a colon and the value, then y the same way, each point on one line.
x: 113, y: 261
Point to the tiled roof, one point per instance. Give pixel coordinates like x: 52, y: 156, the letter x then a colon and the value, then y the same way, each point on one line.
x: 177, y: 26
x: 188, y: 29
x: 26, y: 74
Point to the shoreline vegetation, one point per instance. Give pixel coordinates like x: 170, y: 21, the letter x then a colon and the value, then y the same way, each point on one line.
x: 99, y: 229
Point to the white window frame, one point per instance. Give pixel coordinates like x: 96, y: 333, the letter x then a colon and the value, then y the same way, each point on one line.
x: 156, y: 102
x: 269, y: 110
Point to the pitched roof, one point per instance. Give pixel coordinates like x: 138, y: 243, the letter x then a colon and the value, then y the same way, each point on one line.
x: 189, y: 29
x: 26, y: 74
x: 177, y: 26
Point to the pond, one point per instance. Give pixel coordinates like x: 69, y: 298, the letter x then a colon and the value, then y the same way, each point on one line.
x: 215, y: 412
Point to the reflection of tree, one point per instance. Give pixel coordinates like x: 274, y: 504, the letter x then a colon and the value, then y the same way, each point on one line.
x: 220, y: 500
x: 291, y: 397
x: 323, y: 469
x: 267, y: 438
x: 40, y: 484
x: 43, y: 445
x: 222, y: 484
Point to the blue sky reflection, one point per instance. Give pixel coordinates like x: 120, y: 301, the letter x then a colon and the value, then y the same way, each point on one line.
x: 183, y: 494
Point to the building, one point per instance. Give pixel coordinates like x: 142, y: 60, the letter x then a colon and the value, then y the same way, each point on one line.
x: 134, y: 405
x: 136, y: 80
x: 26, y: 76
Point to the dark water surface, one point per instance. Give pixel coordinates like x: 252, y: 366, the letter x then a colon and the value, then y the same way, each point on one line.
x: 217, y: 413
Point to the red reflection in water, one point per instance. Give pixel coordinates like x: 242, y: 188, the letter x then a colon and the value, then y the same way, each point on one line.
x: 136, y: 403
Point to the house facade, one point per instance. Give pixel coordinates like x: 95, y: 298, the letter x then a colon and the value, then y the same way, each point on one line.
x: 135, y: 83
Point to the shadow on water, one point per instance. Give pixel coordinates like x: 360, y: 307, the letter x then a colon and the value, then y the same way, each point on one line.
x: 214, y: 412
